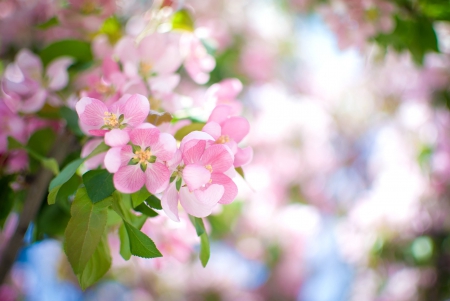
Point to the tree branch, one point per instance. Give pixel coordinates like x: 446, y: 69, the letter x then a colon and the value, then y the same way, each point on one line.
x: 36, y: 194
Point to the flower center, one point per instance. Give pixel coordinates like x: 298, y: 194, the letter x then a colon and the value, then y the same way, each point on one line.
x: 111, y: 119
x: 143, y: 156
x: 223, y: 139
x: 146, y: 68
x: 209, y: 167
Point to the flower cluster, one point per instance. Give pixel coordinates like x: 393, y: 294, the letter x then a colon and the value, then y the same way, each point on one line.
x: 197, y: 173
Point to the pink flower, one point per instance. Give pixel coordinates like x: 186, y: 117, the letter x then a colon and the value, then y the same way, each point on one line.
x: 142, y: 162
x: 24, y: 86
x: 198, y: 62
x: 98, y: 119
x: 203, y: 173
x: 229, y: 130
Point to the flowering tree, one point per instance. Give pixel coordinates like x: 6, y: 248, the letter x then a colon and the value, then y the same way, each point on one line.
x: 93, y: 84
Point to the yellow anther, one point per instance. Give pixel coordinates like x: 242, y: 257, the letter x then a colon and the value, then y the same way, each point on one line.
x: 146, y: 68
x: 110, y: 119
x: 143, y: 156
x: 209, y: 167
x: 223, y: 139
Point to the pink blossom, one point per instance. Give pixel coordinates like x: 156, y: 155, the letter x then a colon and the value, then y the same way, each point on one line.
x: 225, y: 92
x: 142, y: 162
x: 98, y: 118
x: 24, y: 86
x: 202, y: 171
x: 229, y: 130
x: 198, y: 62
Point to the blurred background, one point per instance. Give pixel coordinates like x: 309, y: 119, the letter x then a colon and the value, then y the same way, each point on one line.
x: 347, y: 194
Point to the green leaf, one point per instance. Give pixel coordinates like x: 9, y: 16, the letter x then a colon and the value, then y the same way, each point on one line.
x: 51, y: 198
x: 79, y: 50
x: 112, y: 28
x: 68, y: 189
x: 178, y: 184
x: 205, y: 251
x: 113, y: 218
x: 71, y: 118
x: 143, y: 208
x: 154, y: 202
x: 65, y: 174
x: 99, y: 184
x: 85, y: 229
x: 240, y: 171
x: 97, y: 266
x: 122, y: 205
x: 52, y: 220
x: 198, y: 224
x: 51, y: 164
x: 182, y: 20
x: 138, y: 197
x: 102, y: 147
x: 181, y: 133
x: 125, y: 251
x: 140, y: 244
x: 49, y: 23
x: 14, y: 144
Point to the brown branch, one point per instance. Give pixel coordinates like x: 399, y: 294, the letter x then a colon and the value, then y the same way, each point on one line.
x: 36, y: 194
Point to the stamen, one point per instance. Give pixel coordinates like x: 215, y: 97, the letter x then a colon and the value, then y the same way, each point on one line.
x: 223, y: 139
x: 111, y: 119
x: 209, y: 167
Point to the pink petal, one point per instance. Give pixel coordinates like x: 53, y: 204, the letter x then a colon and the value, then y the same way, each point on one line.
x: 169, y: 202
x: 29, y: 63
x: 218, y: 157
x: 165, y: 148
x: 144, y: 137
x: 195, y: 135
x: 196, y: 176
x: 95, y: 161
x: 109, y: 67
x: 157, y: 177
x: 135, y: 110
x: 57, y: 73
x: 230, y: 188
x: 116, y: 137
x: 126, y: 50
x: 236, y: 128
x: 192, y: 205
x: 35, y: 102
x: 211, y: 195
x: 98, y: 133
x: 113, y: 159
x: 173, y: 163
x: 164, y: 83
x: 213, y: 129
x: 91, y: 111
x: 220, y: 114
x: 243, y: 156
x: 193, y: 150
x: 129, y: 178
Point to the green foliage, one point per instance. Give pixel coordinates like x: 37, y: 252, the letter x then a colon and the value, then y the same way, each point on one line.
x: 140, y: 244
x: 99, y: 184
x: 415, y: 35
x: 240, y: 171
x: 195, y: 126
x: 182, y: 20
x: 71, y: 118
x: 205, y: 251
x: 79, y: 50
x: 48, y: 24
x: 84, y: 230
x: 40, y: 143
x: 435, y: 9
x: 125, y: 251
x: 97, y: 266
x: 204, y: 240
x: 138, y: 197
x: 223, y: 223
x: 145, y: 209
x: 154, y: 202
x: 112, y: 29
x: 121, y: 204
